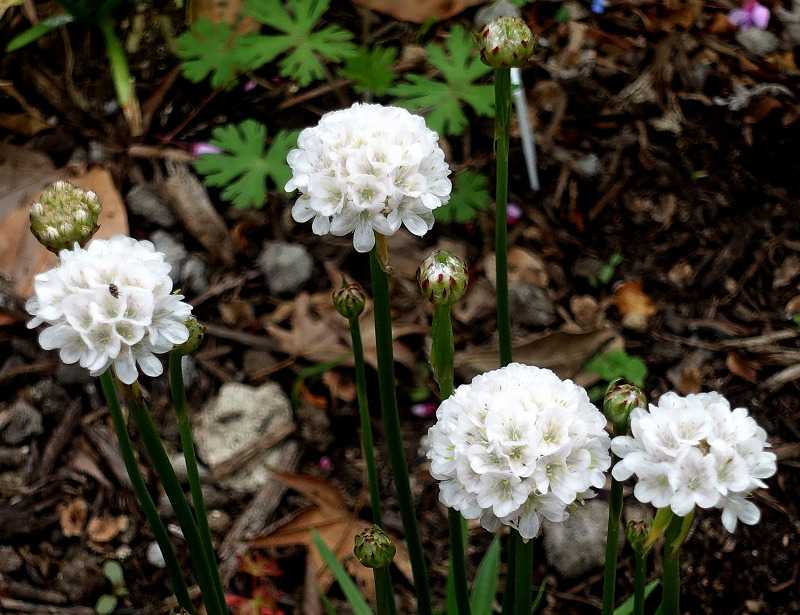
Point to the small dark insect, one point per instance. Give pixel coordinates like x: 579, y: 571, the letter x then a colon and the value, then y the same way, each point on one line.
x: 112, y: 288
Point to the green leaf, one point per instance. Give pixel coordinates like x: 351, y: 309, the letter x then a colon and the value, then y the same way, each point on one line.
x: 606, y: 272
x: 443, y: 100
x: 243, y: 167
x: 796, y: 319
x: 626, y: 608
x: 38, y: 31
x: 351, y: 592
x: 214, y: 49
x: 538, y: 599
x: 112, y: 570
x: 470, y: 195
x: 301, y: 44
x: 105, y: 604
x: 618, y: 364
x: 371, y: 70
x: 484, y: 588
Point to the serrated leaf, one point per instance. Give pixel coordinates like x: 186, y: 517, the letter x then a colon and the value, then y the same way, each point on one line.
x: 442, y: 100
x: 303, y: 46
x: 371, y: 70
x: 215, y: 50
x: 618, y: 364
x: 470, y: 195
x: 243, y: 167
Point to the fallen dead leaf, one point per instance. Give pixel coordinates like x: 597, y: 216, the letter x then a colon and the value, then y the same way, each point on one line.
x: 562, y: 351
x: 26, y: 173
x: 222, y: 11
x: 106, y: 528
x: 418, y: 11
x: 739, y: 366
x: 634, y: 305
x: 688, y: 376
x: 787, y: 271
x: 523, y: 267
x: 72, y: 517
x: 587, y: 311
x: 336, y: 523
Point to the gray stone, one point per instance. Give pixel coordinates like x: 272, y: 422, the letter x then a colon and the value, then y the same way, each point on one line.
x: 194, y: 275
x: 143, y: 200
x: 758, y: 42
x: 154, y: 555
x: 189, y: 370
x: 578, y: 545
x: 22, y: 422
x: 236, y: 421
x: 174, y: 252
x: 531, y: 306
x: 287, y: 266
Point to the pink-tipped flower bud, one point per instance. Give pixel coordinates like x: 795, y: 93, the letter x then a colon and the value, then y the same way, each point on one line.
x: 349, y: 300
x: 64, y: 215
x: 621, y: 399
x: 443, y: 278
x: 506, y: 42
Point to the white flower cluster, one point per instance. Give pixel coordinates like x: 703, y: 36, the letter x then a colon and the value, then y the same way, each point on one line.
x: 110, y: 304
x: 517, y: 445
x: 695, y: 450
x: 368, y: 169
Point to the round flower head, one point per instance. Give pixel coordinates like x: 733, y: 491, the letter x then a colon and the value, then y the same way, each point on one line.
x: 517, y: 445
x: 373, y: 548
x: 696, y: 451
x: 368, y: 169
x: 110, y: 304
x: 506, y: 42
x: 63, y: 215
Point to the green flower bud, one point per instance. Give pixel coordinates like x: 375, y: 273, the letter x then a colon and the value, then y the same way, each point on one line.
x: 63, y: 215
x: 373, y: 548
x: 349, y: 300
x: 442, y: 278
x: 506, y: 42
x: 197, y: 332
x: 619, y: 402
x: 636, y: 532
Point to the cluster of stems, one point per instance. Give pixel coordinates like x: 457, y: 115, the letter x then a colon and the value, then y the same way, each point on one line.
x: 192, y: 518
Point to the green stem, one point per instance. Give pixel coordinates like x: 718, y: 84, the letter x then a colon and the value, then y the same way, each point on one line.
x: 523, y: 581
x: 671, y: 577
x: 639, y: 581
x: 502, y: 119
x: 367, y: 445
x: 143, y: 495
x: 612, y: 547
x: 391, y: 426
x: 178, y: 392
x: 214, y: 603
x: 120, y: 73
x: 510, y: 545
x: 383, y: 591
x: 458, y: 561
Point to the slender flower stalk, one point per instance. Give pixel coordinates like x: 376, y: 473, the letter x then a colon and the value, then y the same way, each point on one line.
x: 374, y: 549
x: 636, y: 533
x: 506, y: 43
x: 523, y: 577
x: 143, y: 495
x: 443, y: 279
x: 349, y: 301
x: 620, y: 400
x: 391, y: 427
x: 674, y: 537
x: 178, y: 392
x: 203, y: 568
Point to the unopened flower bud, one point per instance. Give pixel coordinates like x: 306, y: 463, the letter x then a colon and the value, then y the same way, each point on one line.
x: 349, y: 300
x: 620, y: 400
x: 197, y: 332
x: 636, y: 532
x: 442, y: 278
x: 506, y: 42
x: 63, y: 215
x: 373, y: 548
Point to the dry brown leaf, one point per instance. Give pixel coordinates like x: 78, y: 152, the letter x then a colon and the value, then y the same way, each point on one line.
x: 336, y: 523
x: 634, y: 305
x: 418, y: 11
x: 562, y: 351
x: 341, y: 386
x: 523, y: 267
x: 25, y: 173
x: 72, y: 517
x: 738, y: 365
x: 106, y: 528
x: 222, y: 11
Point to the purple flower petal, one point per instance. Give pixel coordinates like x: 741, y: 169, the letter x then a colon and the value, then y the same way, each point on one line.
x: 200, y: 149
x: 760, y: 16
x: 739, y: 17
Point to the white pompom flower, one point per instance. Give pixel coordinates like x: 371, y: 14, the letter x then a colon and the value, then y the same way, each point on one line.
x: 517, y: 445
x: 696, y: 451
x: 368, y: 169
x: 110, y: 304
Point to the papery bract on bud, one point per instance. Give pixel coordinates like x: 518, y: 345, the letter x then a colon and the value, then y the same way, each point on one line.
x: 373, y: 548
x: 442, y: 277
x: 197, y: 332
x: 620, y: 400
x: 349, y: 300
x: 64, y: 215
x: 506, y: 42
x: 368, y: 169
x: 696, y: 451
x: 110, y: 305
x: 517, y: 445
